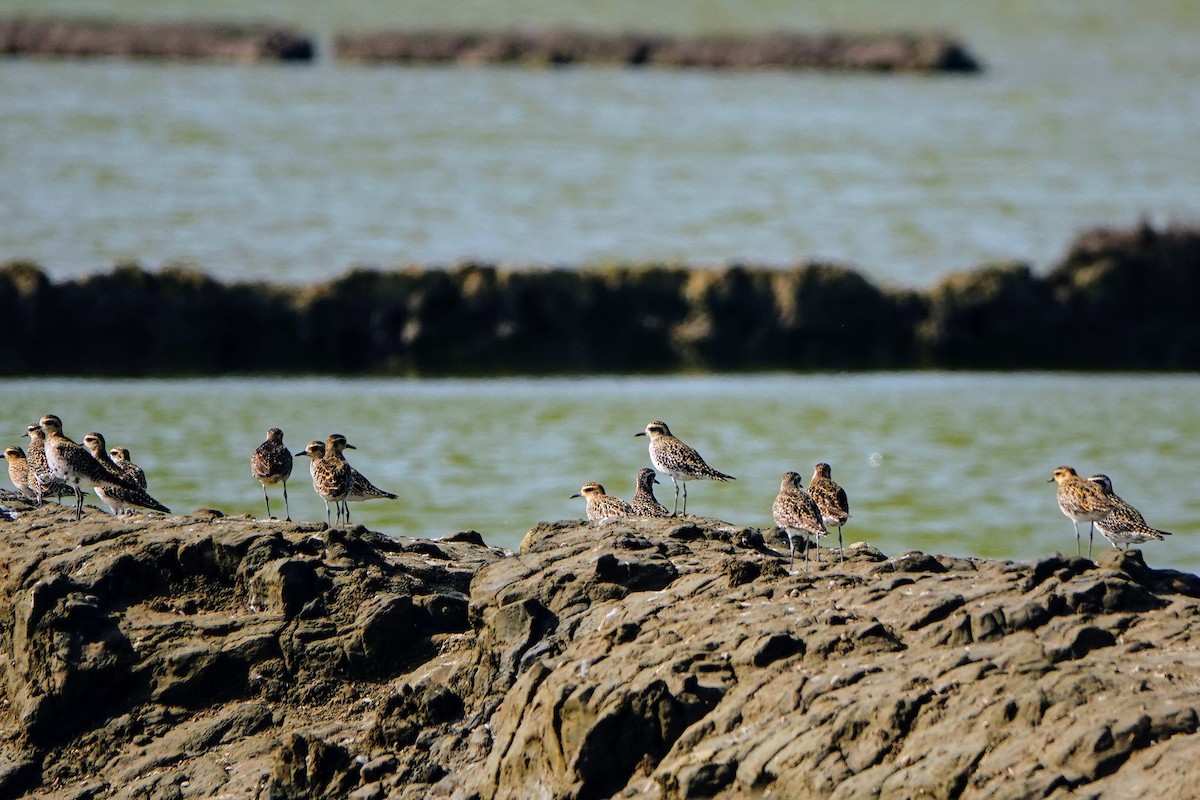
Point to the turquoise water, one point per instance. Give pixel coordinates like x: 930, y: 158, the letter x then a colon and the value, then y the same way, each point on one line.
x: 947, y: 463
x: 1088, y: 114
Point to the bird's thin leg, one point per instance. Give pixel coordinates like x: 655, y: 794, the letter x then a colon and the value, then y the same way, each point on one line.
x: 78, y: 504
x: 1078, y: 548
x: 1091, y: 536
x: 267, y: 500
x: 346, y: 505
x: 841, y: 549
x: 286, y: 507
x: 327, y: 513
x: 685, y: 498
x: 675, y: 510
x: 792, y: 547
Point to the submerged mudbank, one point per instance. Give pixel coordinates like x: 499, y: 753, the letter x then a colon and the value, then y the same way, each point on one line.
x: 197, y: 656
x: 213, y: 41
x: 891, y: 52
x: 1119, y: 300
x: 48, y: 36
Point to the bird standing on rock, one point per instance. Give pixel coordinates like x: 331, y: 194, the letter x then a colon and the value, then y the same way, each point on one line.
x: 677, y: 459
x: 18, y: 472
x: 120, y: 499
x: 131, y: 471
x: 361, y: 488
x: 75, y: 466
x: 831, y: 500
x: 601, y: 506
x: 331, y: 476
x: 41, y: 479
x: 644, y: 503
x: 797, y: 513
x: 1124, y: 525
x: 1081, y: 501
x: 271, y: 463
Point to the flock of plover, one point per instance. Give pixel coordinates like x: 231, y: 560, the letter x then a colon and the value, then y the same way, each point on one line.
x: 54, y: 464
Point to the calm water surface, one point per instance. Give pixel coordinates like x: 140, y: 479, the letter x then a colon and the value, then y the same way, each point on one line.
x: 947, y: 463
x: 1088, y: 114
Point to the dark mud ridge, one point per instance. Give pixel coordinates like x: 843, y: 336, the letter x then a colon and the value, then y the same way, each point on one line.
x: 1119, y: 300
x: 202, y: 656
x: 869, y: 52
x: 897, y: 52
x: 79, y: 38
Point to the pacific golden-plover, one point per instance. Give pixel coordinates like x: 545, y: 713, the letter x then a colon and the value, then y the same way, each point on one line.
x: 131, y: 471
x: 644, y: 503
x: 271, y: 463
x: 1081, y: 501
x: 797, y: 513
x: 75, y: 466
x: 831, y: 500
x: 361, y: 488
x: 601, y: 506
x: 18, y: 472
x: 123, y: 499
x: 1124, y: 525
x: 331, y: 477
x: 677, y: 459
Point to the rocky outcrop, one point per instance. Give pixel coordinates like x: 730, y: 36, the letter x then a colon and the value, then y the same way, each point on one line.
x: 80, y: 38
x: 478, y: 318
x: 867, y: 52
x: 197, y: 656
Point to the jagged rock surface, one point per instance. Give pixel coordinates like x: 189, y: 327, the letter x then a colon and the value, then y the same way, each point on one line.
x: 675, y: 658
x: 480, y: 318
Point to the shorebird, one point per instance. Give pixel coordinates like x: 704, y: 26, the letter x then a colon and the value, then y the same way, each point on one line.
x: 601, y: 506
x: 831, y: 500
x: 41, y: 479
x: 677, y: 459
x: 361, y: 488
x: 271, y: 463
x: 797, y: 513
x: 1082, y: 501
x: 1124, y: 525
x: 18, y: 472
x: 133, y: 473
x: 74, y: 466
x: 124, y: 499
x: 644, y: 503
x: 331, y: 477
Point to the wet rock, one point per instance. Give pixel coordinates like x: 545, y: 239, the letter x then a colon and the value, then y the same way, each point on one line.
x: 475, y: 318
x: 76, y: 38
x: 617, y: 660
x: 875, y: 53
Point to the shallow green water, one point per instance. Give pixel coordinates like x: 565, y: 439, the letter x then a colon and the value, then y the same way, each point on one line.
x: 1088, y: 114
x: 947, y: 463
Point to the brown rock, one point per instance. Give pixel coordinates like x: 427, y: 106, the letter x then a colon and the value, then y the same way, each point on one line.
x: 196, y: 657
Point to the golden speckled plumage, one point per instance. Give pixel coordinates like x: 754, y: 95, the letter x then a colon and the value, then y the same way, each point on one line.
x: 1081, y: 501
x: 601, y: 506
x: 18, y: 472
x: 1124, y: 525
x: 132, y: 472
x: 797, y: 513
x: 679, y: 460
x: 126, y: 497
x: 41, y: 479
x: 331, y: 477
x: 271, y: 463
x: 361, y: 488
x: 830, y: 499
x: 75, y: 466
x: 644, y: 503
